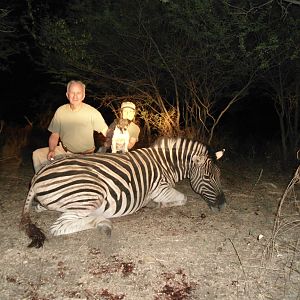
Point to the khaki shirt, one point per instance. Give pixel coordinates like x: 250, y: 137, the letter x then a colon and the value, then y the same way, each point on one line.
x: 76, y: 128
x: 134, y: 131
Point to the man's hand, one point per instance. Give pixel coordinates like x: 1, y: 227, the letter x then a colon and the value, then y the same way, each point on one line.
x: 51, y: 155
x: 53, y: 141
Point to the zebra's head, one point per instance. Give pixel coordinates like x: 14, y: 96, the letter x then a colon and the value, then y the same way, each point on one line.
x: 205, y: 179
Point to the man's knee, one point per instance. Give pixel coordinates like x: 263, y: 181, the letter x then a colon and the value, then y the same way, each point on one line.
x: 39, y: 157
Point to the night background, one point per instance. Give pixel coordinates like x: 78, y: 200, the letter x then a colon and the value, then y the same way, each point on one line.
x: 225, y: 72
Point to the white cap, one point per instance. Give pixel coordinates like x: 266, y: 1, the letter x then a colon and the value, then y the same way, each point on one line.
x: 128, y: 105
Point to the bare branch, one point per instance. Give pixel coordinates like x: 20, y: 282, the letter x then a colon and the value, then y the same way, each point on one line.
x: 293, y: 1
x: 4, y: 27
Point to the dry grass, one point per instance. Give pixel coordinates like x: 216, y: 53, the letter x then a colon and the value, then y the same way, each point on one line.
x: 284, y: 244
x: 287, y: 216
x: 167, y: 254
x: 14, y: 140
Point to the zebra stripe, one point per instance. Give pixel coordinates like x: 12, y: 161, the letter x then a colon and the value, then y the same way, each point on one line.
x: 91, y: 189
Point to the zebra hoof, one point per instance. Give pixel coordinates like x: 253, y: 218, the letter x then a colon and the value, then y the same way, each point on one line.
x: 106, y: 229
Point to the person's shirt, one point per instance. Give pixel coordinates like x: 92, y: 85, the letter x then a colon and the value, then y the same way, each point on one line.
x: 134, y: 131
x: 76, y: 128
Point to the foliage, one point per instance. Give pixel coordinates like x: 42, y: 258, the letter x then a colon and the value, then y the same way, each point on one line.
x: 13, y: 140
x: 8, y: 37
x: 187, y: 60
x: 280, y: 58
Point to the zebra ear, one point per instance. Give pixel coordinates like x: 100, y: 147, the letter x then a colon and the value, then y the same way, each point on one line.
x: 219, y: 154
x: 199, y: 160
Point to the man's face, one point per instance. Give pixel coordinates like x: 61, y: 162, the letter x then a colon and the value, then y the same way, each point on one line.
x: 75, y: 94
x: 128, y: 113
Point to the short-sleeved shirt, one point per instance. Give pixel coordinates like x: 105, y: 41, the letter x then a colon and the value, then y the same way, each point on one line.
x: 134, y: 131
x: 76, y: 128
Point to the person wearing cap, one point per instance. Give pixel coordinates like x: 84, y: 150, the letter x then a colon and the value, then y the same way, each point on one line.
x: 127, y: 111
x: 72, y: 128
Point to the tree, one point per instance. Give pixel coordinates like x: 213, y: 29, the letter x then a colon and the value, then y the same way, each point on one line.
x: 187, y: 62
x: 283, y: 87
x: 280, y: 75
x: 7, y: 38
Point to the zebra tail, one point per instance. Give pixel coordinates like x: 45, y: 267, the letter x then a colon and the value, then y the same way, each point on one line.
x: 32, y: 231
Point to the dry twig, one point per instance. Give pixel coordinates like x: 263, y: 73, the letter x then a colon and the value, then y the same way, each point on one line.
x: 278, y: 224
x: 257, y: 181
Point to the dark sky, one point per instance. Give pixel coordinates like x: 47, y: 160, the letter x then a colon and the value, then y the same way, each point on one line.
x: 28, y: 89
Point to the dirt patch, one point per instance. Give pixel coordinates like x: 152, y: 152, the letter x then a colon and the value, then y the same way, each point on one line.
x: 175, y: 253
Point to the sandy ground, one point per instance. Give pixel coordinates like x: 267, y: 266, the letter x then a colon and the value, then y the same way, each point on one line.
x: 176, y: 253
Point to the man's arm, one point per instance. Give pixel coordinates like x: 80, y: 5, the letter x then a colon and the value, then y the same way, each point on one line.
x: 53, y: 141
x: 104, y: 131
x: 134, y: 132
x: 132, y: 142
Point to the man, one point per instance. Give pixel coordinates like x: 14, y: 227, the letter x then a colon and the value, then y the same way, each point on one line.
x: 72, y: 127
x: 127, y: 111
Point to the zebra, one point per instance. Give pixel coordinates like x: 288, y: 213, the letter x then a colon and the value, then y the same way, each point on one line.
x: 91, y: 189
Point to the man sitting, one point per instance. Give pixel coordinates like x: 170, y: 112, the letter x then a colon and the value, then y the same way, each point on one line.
x: 72, y: 128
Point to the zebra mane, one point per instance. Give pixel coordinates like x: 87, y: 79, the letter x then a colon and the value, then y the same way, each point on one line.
x: 174, y: 142
x: 165, y: 142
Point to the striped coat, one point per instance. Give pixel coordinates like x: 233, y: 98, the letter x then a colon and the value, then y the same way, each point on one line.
x: 89, y: 190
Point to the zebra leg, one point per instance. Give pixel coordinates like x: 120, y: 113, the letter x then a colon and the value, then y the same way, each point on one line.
x: 70, y: 222
x: 170, y: 197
